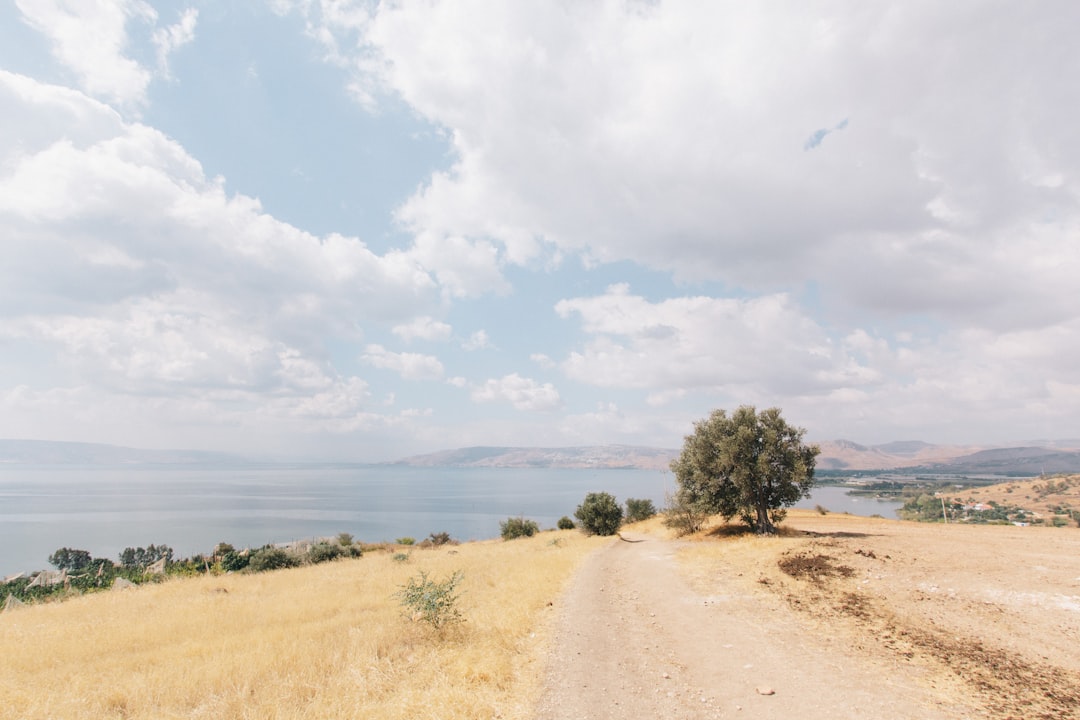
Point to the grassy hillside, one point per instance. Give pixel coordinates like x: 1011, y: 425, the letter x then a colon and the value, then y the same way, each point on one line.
x: 326, y: 641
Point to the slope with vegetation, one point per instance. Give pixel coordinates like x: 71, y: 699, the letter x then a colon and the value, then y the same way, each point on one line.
x: 324, y: 641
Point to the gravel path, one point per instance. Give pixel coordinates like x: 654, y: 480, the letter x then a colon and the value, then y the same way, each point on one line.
x: 633, y: 640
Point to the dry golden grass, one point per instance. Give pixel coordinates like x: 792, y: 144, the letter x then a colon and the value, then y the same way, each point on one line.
x: 327, y: 641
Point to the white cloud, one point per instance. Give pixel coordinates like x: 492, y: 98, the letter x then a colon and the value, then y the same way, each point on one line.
x: 703, y: 343
x: 168, y: 39
x: 411, y: 366
x: 141, y: 279
x: 674, y: 135
x: 523, y: 393
x: 478, y: 340
x: 423, y: 328
x: 91, y: 39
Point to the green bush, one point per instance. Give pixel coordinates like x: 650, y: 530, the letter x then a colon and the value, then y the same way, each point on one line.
x: 70, y: 559
x: 345, y: 539
x: 406, y: 541
x: 637, y: 510
x: 566, y: 523
x: 599, y: 514
x: 438, y: 539
x: 512, y: 528
x: 432, y: 602
x: 324, y: 552
x: 232, y: 561
x: 271, y: 558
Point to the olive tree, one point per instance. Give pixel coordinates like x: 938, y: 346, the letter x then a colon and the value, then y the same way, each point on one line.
x: 751, y: 464
x: 599, y: 514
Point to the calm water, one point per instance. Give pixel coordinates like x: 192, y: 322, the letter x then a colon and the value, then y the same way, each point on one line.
x: 104, y: 510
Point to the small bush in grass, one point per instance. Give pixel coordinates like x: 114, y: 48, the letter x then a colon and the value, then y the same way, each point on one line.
x: 345, y: 539
x: 324, y: 552
x: 637, y: 510
x: 432, y: 602
x: 821, y: 510
x: 400, y: 557
x: 232, y: 561
x: 599, y: 514
x: 566, y: 523
x: 511, y: 528
x: 406, y: 541
x: 437, y: 540
x: 271, y: 558
x: 683, y: 516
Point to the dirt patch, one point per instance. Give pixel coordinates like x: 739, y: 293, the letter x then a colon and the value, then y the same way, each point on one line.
x: 812, y: 566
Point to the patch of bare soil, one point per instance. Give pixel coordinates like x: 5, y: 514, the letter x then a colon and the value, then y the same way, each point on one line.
x: 840, y: 617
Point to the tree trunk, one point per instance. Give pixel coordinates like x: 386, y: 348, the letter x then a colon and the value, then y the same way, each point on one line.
x: 764, y: 524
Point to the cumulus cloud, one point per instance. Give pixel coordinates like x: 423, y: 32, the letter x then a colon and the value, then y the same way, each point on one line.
x: 411, y: 366
x: 423, y: 328
x: 143, y: 278
x: 91, y: 39
x: 523, y: 393
x: 674, y: 135
x: 478, y: 340
x: 704, y: 343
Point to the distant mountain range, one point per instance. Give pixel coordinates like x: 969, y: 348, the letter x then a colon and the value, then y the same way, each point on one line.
x: 909, y: 456
x: 47, y: 452
x: 596, y: 456
x: 843, y: 455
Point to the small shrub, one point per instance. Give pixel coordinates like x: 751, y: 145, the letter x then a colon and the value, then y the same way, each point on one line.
x: 345, y: 539
x: 270, y: 558
x: 232, y: 561
x: 637, y: 510
x: 438, y: 539
x: 566, y: 523
x: 512, y: 528
x: 683, y: 516
x: 324, y: 552
x: 599, y: 514
x: 821, y: 510
x: 400, y: 557
x: 432, y: 602
x: 406, y: 541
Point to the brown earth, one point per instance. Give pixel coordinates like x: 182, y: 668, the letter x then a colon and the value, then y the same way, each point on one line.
x: 839, y: 617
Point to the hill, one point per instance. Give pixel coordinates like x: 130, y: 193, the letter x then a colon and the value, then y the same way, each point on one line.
x: 47, y: 452
x: 593, y: 456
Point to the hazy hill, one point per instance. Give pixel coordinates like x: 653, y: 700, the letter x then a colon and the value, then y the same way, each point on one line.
x: 595, y: 456
x: 46, y: 452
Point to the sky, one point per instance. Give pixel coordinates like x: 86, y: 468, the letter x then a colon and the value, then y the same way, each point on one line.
x: 355, y: 231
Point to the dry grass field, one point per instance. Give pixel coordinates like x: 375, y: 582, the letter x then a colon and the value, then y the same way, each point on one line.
x: 912, y: 620
x: 322, y: 642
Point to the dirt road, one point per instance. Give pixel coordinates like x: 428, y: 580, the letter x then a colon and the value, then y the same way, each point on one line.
x: 868, y: 620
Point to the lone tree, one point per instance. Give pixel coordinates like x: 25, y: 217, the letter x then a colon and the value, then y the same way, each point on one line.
x: 751, y: 464
x: 599, y: 514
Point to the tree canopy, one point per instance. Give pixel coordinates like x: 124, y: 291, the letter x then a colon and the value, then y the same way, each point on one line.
x: 751, y: 464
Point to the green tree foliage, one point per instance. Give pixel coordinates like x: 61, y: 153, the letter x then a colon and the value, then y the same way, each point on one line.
x: 637, y: 510
x: 324, y: 552
x: 70, y: 559
x: 751, y: 464
x: 270, y: 558
x: 599, y: 514
x: 142, y: 558
x: 512, y: 528
x: 565, y: 523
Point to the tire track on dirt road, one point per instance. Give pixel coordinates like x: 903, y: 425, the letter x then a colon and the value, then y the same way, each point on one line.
x: 633, y: 640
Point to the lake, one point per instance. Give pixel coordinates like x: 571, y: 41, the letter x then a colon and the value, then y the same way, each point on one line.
x: 106, y: 509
